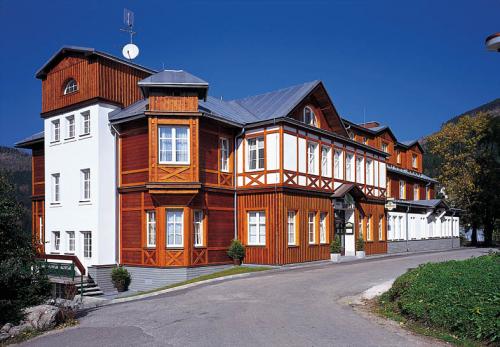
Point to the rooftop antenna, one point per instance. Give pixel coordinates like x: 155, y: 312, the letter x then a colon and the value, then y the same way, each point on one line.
x: 129, y: 51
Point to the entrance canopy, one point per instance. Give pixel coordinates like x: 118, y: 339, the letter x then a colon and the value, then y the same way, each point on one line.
x: 348, y: 188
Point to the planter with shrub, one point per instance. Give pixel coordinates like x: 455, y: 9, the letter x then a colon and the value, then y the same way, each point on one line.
x: 121, y: 278
x: 360, y: 247
x: 335, y: 249
x: 236, y: 251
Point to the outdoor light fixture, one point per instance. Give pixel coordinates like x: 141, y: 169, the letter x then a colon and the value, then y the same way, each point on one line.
x: 493, y: 42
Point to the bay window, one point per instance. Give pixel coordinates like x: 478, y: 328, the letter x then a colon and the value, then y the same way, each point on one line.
x: 257, y: 228
x: 255, y: 153
x: 173, y: 144
x: 175, y: 228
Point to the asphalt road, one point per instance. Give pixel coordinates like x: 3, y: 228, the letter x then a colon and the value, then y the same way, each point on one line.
x: 296, y: 307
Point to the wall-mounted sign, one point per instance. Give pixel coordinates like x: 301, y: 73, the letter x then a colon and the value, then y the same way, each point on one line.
x: 390, y: 205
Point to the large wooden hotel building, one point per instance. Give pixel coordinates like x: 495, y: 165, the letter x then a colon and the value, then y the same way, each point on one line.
x: 145, y: 169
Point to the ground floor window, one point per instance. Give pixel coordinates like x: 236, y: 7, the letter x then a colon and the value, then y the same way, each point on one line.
x: 198, y: 228
x: 311, y: 227
x: 87, y: 244
x: 56, y: 238
x: 71, y: 241
x: 369, y: 234
x: 151, y: 228
x: 381, y: 228
x: 291, y: 228
x: 175, y: 228
x: 257, y: 228
x: 322, y: 227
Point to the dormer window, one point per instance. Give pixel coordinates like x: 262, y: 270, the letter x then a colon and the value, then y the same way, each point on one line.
x: 309, y: 116
x: 70, y: 87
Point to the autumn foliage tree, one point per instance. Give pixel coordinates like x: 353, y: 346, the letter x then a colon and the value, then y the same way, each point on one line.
x: 469, y: 169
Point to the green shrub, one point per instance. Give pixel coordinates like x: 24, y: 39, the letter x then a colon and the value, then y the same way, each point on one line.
x: 335, y: 246
x: 360, y: 244
x: 121, y: 278
x: 236, y: 250
x: 462, y: 297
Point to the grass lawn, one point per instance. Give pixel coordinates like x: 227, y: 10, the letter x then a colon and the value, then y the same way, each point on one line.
x: 456, y: 301
x: 231, y: 271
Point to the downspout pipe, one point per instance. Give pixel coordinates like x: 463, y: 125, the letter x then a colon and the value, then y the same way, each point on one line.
x: 116, y: 134
x: 235, y: 180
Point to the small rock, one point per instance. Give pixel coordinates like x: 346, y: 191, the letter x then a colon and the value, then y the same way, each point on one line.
x: 6, y: 328
x: 24, y: 326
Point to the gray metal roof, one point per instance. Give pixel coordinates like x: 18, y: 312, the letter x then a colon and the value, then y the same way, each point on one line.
x: 30, y: 140
x: 432, y: 203
x: 178, y: 78
x: 135, y: 110
x: 409, y: 173
x: 88, y: 50
x: 409, y: 143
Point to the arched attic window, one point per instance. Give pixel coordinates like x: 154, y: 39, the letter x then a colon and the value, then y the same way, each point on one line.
x: 70, y: 87
x: 309, y: 117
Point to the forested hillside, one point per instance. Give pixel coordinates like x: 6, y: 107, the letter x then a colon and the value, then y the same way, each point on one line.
x: 15, y: 164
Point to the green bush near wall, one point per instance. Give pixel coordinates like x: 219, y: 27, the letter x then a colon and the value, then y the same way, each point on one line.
x: 461, y: 297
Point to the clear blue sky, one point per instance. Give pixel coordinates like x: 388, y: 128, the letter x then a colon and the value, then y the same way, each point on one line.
x: 411, y: 65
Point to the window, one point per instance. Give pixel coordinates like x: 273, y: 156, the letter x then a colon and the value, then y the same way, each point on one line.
x: 380, y: 227
x: 416, y: 192
x: 70, y: 127
x: 87, y: 244
x: 349, y: 167
x: 257, y: 228
x: 311, y: 227
x: 427, y: 193
x: 398, y: 156
x: 291, y: 228
x: 151, y: 228
x: 174, y: 145
x: 85, y: 123
x: 351, y: 134
x: 385, y: 147
x: 175, y: 228
x: 85, y: 179
x: 256, y: 153
x: 56, y: 130
x: 369, y: 172
x: 360, y: 226
x: 56, y: 237
x: 198, y: 228
x: 309, y: 116
x: 369, y: 234
x: 56, y: 189
x: 414, y: 161
x: 312, y: 158
x: 322, y: 227
x: 70, y: 87
x: 360, y: 170
x: 338, y: 165
x: 326, y: 162
x: 365, y: 140
x: 224, y: 154
x: 402, y: 190
x: 71, y: 241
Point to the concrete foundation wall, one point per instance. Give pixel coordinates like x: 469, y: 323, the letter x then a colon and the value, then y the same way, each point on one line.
x: 102, y: 277
x: 147, y: 278
x: 423, y: 245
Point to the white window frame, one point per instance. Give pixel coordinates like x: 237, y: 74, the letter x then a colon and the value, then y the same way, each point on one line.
x: 198, y: 228
x: 87, y: 244
x: 402, y: 189
x: 414, y: 161
x: 256, y: 144
x: 326, y: 161
x: 56, y: 188
x: 56, y: 238
x: 291, y: 228
x: 427, y: 193
x: 56, y: 130
x: 385, y: 147
x: 85, y: 185
x: 338, y: 164
x: 311, y: 228
x: 369, y: 231
x: 360, y: 171
x: 380, y: 228
x: 349, y: 167
x: 151, y: 228
x: 257, y: 216
x: 70, y: 127
x: 70, y: 87
x: 312, y: 158
x: 416, y: 192
x: 71, y: 241
x: 176, y: 221
x: 323, y: 227
x: 309, y: 117
x: 174, y: 140
x: 224, y: 154
x: 85, y: 116
x: 369, y: 171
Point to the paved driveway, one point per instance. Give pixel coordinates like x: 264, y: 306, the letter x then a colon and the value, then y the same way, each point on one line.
x: 297, y: 307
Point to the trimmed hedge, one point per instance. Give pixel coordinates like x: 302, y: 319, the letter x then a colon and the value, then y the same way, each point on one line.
x: 462, y: 297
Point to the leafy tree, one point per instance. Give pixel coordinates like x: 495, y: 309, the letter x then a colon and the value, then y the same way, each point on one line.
x: 22, y: 283
x: 468, y: 155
